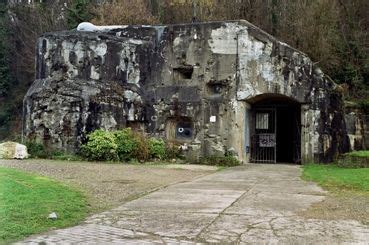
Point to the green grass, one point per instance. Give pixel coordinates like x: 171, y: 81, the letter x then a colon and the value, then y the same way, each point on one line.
x: 26, y: 201
x: 336, y: 178
x: 358, y: 154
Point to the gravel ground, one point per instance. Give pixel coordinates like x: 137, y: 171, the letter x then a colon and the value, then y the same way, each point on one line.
x: 109, y: 184
x: 345, y: 205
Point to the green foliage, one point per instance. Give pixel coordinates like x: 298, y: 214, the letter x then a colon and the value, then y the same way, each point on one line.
x: 363, y: 154
x: 355, y: 159
x: 337, y: 178
x: 364, y: 105
x: 36, y: 150
x: 5, y: 116
x: 26, y: 201
x: 101, y: 146
x: 4, y: 62
x: 119, y: 145
x: 173, y: 151
x: 142, y: 152
x: 78, y: 12
x: 226, y: 161
x: 157, y: 148
x: 127, y: 144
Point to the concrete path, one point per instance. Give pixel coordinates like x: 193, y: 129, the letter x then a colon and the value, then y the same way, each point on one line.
x: 251, y: 204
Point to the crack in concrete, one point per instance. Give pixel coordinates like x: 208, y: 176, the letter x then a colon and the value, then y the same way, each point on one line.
x: 224, y: 210
x: 260, y: 222
x: 274, y: 231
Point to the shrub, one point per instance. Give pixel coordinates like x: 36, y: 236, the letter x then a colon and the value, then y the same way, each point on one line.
x: 127, y: 144
x: 355, y: 159
x: 101, y: 145
x: 124, y: 145
x: 142, y: 152
x: 157, y: 148
x: 227, y: 161
x: 36, y: 150
x: 173, y: 151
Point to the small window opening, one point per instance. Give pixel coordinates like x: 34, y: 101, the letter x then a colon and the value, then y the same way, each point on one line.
x: 262, y: 121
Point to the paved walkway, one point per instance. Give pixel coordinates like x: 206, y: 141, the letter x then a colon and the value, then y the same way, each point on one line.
x: 251, y: 204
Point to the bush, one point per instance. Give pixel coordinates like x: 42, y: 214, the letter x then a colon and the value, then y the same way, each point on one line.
x: 226, y: 161
x: 101, y: 146
x: 127, y: 144
x: 157, y: 148
x: 142, y: 152
x: 355, y: 159
x: 173, y: 151
x: 118, y: 145
x: 36, y: 150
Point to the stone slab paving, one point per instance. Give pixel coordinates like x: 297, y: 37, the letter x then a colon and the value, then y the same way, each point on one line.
x: 242, y: 205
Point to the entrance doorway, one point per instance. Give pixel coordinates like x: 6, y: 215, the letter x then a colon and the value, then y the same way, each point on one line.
x: 275, y: 130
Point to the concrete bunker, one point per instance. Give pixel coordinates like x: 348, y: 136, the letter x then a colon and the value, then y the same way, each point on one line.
x: 214, y: 87
x: 275, y: 129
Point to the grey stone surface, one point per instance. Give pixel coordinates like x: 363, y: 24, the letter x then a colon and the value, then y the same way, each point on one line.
x: 244, y: 205
x: 153, y: 78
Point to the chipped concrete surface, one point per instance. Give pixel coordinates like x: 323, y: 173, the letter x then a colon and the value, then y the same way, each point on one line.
x: 156, y: 78
x: 243, y: 205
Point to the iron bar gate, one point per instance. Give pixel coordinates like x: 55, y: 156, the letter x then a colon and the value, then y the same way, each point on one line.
x: 263, y: 139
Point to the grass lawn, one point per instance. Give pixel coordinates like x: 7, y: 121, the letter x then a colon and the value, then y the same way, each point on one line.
x: 26, y: 200
x: 335, y: 178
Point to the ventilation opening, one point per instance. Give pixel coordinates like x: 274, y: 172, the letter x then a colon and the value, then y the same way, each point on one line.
x: 184, y: 130
x: 179, y: 129
x: 183, y: 72
x: 215, y: 88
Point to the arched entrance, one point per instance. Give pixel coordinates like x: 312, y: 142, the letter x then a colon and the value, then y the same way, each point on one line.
x: 275, y: 129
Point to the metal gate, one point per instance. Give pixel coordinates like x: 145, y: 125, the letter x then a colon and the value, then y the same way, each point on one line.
x: 263, y: 139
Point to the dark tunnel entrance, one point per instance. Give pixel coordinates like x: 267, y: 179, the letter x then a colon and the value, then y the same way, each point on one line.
x: 275, y: 130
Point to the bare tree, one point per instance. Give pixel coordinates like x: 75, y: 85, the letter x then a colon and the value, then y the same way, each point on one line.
x: 123, y: 12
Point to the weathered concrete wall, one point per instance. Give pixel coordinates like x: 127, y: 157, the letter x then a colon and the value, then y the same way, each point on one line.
x: 357, y: 123
x: 84, y: 81
x: 199, y: 77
